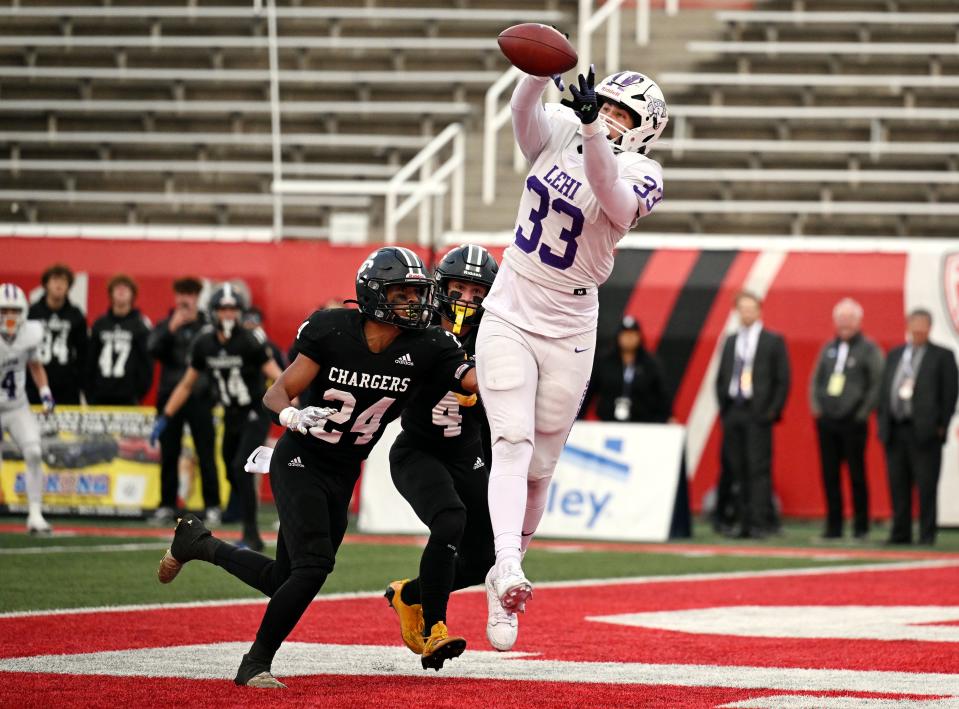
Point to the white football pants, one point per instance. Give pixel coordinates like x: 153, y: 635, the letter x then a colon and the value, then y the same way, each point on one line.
x: 21, y: 425
x: 532, y: 388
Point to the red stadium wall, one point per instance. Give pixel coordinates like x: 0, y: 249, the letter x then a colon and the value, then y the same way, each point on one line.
x: 289, y: 279
x: 662, y: 288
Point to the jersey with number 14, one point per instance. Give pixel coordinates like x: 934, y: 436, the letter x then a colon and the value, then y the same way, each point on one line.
x: 235, y: 365
x: 14, y: 356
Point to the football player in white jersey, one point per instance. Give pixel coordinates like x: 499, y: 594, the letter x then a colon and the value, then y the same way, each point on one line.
x: 19, y: 339
x: 589, y: 182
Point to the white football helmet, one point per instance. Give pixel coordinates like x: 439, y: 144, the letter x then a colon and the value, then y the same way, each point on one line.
x: 643, y: 98
x: 13, y: 309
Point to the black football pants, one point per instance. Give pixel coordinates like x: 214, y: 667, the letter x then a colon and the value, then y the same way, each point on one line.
x: 200, y: 417
x: 448, y: 491
x: 243, y: 431
x: 312, y: 499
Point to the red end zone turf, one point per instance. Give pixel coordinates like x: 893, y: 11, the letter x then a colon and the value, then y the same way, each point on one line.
x: 346, y: 662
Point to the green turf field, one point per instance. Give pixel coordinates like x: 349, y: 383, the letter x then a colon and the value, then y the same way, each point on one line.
x: 77, y: 571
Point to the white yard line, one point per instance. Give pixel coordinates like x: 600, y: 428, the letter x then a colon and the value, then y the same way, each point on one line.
x: 81, y: 549
x: 218, y: 661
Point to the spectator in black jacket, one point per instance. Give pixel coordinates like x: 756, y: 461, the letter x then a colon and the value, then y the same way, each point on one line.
x: 170, y: 344
x: 64, y: 348
x: 916, y: 402
x: 751, y: 386
x: 119, y: 366
x: 843, y: 392
x: 628, y: 382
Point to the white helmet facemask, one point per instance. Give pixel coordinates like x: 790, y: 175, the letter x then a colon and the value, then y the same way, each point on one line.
x: 645, y: 101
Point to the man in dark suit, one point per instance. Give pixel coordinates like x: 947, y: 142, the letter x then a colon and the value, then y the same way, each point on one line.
x: 916, y: 402
x: 844, y: 391
x: 752, y: 386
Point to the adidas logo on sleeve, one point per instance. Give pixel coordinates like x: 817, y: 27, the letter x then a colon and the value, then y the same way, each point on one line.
x: 405, y: 359
x: 478, y: 464
x: 296, y: 463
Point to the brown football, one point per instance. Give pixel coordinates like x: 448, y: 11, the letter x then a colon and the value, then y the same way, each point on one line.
x: 537, y: 49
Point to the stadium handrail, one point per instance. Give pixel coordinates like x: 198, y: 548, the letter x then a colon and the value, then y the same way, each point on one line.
x: 825, y: 48
x: 226, y: 108
x: 691, y: 174
x: 838, y: 17
x: 200, y: 167
x: 712, y: 174
x: 179, y: 198
x: 432, y: 183
x: 253, y: 42
x: 350, y: 140
x: 736, y: 145
x: 189, y: 11
x: 894, y: 83
x: 241, y: 75
x: 807, y: 207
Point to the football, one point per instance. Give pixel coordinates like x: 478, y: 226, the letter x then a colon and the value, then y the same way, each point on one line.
x: 537, y: 49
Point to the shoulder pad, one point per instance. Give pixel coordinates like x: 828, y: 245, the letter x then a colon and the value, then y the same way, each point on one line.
x: 636, y: 164
x: 259, y: 335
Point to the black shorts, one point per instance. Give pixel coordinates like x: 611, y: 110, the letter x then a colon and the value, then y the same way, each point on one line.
x: 432, y: 480
x: 312, y: 499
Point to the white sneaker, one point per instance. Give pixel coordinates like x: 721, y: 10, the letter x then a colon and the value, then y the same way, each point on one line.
x: 502, y: 627
x: 512, y: 587
x: 213, y: 517
x: 36, y: 524
x: 162, y: 516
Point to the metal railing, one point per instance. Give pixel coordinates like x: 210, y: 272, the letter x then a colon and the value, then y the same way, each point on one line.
x: 427, y: 192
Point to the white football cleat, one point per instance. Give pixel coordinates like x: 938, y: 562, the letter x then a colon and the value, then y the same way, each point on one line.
x: 502, y: 627
x: 36, y: 524
x: 512, y: 587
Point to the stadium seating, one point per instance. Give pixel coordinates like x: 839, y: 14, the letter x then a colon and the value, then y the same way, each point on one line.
x: 161, y: 114
x: 795, y: 107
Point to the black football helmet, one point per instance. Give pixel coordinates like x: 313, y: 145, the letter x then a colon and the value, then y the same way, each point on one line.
x: 470, y: 263
x: 226, y: 296
x: 390, y: 266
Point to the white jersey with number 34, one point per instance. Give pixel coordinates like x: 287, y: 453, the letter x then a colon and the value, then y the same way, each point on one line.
x: 14, y: 356
x: 563, y: 241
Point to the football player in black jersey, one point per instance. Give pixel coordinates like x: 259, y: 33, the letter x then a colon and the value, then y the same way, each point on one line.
x: 438, y: 464
x: 361, y: 366
x: 239, y: 363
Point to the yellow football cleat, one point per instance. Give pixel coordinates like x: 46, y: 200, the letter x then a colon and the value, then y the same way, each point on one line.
x: 411, y: 617
x: 440, y: 647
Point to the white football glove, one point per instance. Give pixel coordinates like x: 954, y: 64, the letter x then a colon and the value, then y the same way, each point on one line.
x: 302, y: 420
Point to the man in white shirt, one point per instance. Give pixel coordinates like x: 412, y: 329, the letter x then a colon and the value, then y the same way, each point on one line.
x: 589, y: 183
x: 752, y: 386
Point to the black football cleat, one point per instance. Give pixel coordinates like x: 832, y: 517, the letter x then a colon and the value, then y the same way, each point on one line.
x: 255, y: 674
x: 191, y: 540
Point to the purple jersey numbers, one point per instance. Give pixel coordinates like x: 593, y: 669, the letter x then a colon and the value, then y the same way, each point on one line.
x: 643, y: 192
x: 569, y: 234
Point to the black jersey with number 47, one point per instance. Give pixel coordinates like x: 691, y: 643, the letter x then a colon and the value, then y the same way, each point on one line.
x: 440, y: 416
x: 235, y: 366
x: 369, y: 389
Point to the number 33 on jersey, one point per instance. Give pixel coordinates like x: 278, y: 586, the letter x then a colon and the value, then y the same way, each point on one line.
x: 562, y: 233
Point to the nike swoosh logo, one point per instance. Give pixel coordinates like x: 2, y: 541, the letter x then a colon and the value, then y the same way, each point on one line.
x: 581, y: 349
